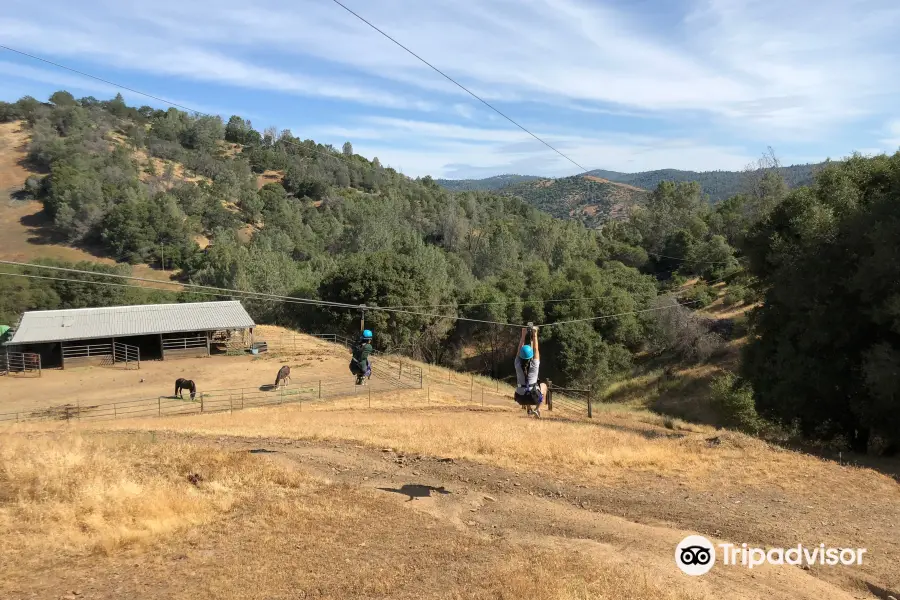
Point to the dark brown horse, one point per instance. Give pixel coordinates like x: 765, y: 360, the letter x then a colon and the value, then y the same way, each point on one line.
x: 182, y: 384
x: 284, y: 375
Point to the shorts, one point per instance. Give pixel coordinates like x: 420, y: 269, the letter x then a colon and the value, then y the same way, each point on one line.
x: 357, y: 370
x: 532, y: 398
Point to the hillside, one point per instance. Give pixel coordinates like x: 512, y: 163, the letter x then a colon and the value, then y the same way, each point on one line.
x: 588, y: 199
x: 484, y: 185
x: 718, y: 185
x: 232, y: 207
x: 27, y: 231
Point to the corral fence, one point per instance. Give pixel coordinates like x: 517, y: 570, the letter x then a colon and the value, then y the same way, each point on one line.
x: 559, y: 400
x: 26, y: 363
x: 185, y: 347
x: 111, y: 354
x: 128, y: 356
x: 214, y: 401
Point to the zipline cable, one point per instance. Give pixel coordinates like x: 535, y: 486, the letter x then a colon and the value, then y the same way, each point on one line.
x: 260, y: 295
x: 303, y: 301
x: 458, y: 84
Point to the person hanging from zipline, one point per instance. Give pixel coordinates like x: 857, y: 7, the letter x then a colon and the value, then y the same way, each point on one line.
x: 359, y: 364
x: 528, y: 361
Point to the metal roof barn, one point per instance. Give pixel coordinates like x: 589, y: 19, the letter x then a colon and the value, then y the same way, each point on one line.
x: 44, y: 326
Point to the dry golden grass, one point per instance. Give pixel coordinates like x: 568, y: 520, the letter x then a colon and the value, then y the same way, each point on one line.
x: 67, y: 496
x: 618, y: 443
x: 68, y: 492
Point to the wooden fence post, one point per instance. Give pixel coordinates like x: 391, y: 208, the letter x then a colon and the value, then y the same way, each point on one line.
x: 159, y: 405
x: 242, y: 398
x: 590, y: 402
x: 400, y: 373
x: 549, y: 395
x: 320, y: 389
x: 115, y: 413
x: 482, y: 396
x: 201, y: 402
x: 230, y: 404
x: 472, y: 387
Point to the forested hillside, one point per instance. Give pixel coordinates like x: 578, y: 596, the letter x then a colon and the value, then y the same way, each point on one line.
x: 718, y: 185
x: 589, y: 200
x: 292, y: 217
x: 289, y: 216
x: 484, y: 185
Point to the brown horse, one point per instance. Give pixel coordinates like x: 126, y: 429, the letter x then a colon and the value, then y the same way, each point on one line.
x: 284, y: 375
x: 185, y: 384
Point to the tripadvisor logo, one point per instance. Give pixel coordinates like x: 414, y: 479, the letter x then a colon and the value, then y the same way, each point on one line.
x: 696, y: 555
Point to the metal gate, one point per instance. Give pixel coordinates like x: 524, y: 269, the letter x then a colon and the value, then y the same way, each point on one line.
x: 20, y: 362
x: 130, y: 356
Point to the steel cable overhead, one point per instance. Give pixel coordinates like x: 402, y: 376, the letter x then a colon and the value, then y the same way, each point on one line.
x: 246, y: 295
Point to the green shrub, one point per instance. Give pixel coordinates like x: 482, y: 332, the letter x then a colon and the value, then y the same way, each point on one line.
x: 699, y: 296
x: 735, y: 295
x: 733, y: 398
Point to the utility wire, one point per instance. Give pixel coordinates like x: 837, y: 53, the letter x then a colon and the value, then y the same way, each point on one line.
x: 291, y: 300
x: 688, y: 260
x: 258, y: 295
x: 458, y: 84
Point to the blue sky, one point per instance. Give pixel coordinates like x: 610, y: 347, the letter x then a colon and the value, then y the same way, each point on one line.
x: 627, y: 85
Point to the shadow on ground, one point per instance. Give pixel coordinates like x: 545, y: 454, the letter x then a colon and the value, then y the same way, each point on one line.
x: 415, y: 490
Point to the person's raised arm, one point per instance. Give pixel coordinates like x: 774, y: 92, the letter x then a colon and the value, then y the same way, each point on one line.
x: 521, y: 341
x: 534, y: 341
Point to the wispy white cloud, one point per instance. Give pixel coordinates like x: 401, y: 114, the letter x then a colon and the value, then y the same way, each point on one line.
x: 456, y: 151
x: 892, y: 136
x: 137, y: 52
x: 742, y: 73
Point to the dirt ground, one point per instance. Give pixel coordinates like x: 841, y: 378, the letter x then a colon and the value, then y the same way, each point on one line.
x: 312, y: 360
x: 374, y: 520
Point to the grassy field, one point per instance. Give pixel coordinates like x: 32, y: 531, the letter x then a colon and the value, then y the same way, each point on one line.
x: 425, y: 493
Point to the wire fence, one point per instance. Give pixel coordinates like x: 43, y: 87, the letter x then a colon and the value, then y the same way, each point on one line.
x: 216, y: 401
x: 389, y: 373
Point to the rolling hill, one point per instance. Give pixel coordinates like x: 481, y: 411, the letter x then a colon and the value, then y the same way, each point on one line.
x: 485, y: 185
x: 589, y: 199
x: 718, y: 185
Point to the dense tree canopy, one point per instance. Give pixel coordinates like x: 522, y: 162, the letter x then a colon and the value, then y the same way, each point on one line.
x: 827, y: 351
x: 291, y: 217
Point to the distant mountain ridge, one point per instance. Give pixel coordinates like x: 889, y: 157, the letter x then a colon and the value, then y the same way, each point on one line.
x: 485, y: 185
x: 718, y: 185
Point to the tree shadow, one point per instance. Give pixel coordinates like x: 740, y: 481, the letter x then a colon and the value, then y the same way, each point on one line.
x: 881, y: 592
x: 416, y: 490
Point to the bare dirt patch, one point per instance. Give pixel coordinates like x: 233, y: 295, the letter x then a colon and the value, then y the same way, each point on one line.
x: 86, y: 386
x: 268, y: 177
x: 358, y: 518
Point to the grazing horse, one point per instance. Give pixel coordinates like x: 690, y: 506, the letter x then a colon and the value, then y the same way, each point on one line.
x: 284, y: 375
x: 182, y: 384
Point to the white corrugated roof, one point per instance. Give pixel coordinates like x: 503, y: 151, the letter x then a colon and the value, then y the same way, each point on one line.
x: 119, y: 321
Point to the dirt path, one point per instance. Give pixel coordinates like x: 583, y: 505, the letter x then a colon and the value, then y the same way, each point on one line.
x: 638, y: 522
x: 433, y: 527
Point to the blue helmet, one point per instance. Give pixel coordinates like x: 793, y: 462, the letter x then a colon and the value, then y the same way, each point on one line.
x: 367, y: 334
x: 526, y: 353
